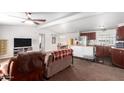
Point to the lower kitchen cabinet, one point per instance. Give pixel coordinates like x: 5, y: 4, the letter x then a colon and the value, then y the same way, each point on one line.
x: 99, y: 51
x: 118, y: 57
x: 107, y: 51
x: 103, y: 51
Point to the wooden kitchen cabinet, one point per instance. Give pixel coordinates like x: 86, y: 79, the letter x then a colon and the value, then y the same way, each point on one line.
x: 99, y: 51
x: 83, y: 34
x: 118, y: 57
x: 107, y: 51
x: 99, y: 54
x: 90, y: 35
x: 120, y: 33
x: 103, y: 51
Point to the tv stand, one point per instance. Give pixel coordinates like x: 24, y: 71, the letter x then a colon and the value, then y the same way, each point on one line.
x: 21, y: 49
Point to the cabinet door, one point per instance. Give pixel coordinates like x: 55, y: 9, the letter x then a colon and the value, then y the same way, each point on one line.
x: 92, y: 36
x: 120, y: 33
x: 88, y: 36
x: 99, y: 51
x: 117, y: 57
x: 82, y: 34
x: 122, y: 63
x: 107, y: 51
x: 117, y: 33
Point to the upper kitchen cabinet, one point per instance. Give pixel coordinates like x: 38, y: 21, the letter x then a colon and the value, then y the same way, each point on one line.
x: 90, y: 35
x: 93, y: 36
x: 120, y: 33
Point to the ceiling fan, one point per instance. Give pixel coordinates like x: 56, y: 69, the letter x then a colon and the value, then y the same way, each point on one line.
x: 29, y: 19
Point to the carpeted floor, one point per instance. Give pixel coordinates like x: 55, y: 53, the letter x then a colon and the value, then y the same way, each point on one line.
x: 83, y: 70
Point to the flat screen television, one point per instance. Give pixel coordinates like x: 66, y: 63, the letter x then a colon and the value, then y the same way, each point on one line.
x: 22, y: 42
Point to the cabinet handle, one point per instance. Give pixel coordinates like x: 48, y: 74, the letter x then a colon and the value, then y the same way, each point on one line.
x: 120, y: 51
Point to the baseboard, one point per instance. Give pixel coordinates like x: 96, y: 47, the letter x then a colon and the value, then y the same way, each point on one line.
x: 4, y: 59
x: 84, y: 58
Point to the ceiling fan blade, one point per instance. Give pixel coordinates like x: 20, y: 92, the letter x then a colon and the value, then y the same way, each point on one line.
x: 36, y: 23
x: 23, y: 21
x: 17, y: 17
x: 42, y: 20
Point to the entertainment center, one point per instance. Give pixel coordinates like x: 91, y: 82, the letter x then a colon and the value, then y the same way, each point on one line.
x: 22, y: 45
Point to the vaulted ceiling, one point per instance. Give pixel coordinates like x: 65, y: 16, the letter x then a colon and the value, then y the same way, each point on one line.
x: 63, y: 22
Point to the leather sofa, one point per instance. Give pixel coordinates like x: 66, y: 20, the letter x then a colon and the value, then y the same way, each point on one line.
x: 30, y: 66
x: 27, y: 67
x: 58, y: 61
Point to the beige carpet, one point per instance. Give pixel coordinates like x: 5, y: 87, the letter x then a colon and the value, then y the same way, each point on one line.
x: 85, y: 70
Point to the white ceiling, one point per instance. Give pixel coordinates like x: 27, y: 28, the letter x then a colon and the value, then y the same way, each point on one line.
x: 13, y: 18
x: 63, y: 22
x: 90, y: 22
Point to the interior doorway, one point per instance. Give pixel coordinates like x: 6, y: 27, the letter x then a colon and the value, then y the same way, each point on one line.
x: 42, y: 42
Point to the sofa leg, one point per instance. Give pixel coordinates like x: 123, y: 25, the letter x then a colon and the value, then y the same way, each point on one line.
x: 46, y: 78
x: 72, y: 60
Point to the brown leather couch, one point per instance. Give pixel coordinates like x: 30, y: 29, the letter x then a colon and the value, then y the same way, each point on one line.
x: 30, y: 66
x: 27, y: 67
x: 58, y: 61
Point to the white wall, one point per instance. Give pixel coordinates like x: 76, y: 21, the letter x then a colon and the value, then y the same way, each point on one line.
x: 48, y: 43
x: 11, y: 32
x: 63, y: 38
x: 48, y: 39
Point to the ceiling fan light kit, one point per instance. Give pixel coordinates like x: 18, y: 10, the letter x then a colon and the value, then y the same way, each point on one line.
x: 29, y: 22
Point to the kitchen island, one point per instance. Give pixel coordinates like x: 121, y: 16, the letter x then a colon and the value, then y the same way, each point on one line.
x: 86, y: 52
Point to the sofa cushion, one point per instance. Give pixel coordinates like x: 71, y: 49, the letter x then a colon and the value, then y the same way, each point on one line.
x: 23, y: 61
x: 27, y: 66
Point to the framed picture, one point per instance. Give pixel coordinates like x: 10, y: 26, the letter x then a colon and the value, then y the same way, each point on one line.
x: 53, y: 39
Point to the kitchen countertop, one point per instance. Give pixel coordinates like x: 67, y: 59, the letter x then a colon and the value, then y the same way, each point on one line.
x: 117, y: 48
x: 82, y: 46
x: 83, y: 51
